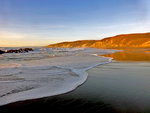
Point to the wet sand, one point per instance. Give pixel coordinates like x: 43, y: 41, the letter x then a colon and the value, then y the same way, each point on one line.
x: 125, y: 86
x: 118, y: 87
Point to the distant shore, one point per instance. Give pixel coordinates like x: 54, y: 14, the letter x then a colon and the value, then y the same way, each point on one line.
x: 135, y: 40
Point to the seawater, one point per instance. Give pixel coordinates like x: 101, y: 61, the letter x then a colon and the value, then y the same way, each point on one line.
x: 45, y: 71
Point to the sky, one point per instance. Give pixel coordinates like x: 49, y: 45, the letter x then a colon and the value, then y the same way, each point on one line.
x: 43, y: 22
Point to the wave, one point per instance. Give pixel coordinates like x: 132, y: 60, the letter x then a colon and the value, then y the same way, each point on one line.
x: 31, y: 79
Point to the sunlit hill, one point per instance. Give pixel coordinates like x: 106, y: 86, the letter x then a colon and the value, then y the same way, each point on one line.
x: 139, y: 40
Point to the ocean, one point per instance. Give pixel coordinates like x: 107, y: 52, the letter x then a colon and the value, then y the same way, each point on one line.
x: 46, y: 71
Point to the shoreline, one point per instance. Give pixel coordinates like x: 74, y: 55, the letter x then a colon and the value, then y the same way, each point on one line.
x: 94, y: 95
x: 85, y: 71
x: 22, y: 103
x: 66, y: 98
x: 81, y: 82
x: 78, y: 64
x: 105, y: 90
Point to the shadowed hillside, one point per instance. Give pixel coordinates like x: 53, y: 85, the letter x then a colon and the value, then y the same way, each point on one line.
x: 140, y: 40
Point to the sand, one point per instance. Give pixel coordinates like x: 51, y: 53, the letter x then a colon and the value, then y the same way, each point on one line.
x: 118, y: 87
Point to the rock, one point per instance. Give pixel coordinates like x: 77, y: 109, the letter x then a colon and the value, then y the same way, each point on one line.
x: 2, y: 52
x: 19, y: 50
x: 27, y: 49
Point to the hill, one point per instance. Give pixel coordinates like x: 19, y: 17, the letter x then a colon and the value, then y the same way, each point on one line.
x: 139, y: 40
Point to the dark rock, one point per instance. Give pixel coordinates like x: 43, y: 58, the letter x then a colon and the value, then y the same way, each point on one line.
x: 2, y: 52
x: 19, y: 50
x: 27, y: 49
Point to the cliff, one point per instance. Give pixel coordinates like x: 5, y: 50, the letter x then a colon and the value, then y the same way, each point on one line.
x: 139, y: 40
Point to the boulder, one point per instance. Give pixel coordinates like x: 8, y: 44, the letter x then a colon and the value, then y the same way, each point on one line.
x: 2, y: 52
x: 19, y: 50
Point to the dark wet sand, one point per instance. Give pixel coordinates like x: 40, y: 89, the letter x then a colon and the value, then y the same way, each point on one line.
x: 118, y: 87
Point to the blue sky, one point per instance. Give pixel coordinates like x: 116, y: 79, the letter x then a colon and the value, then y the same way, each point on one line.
x: 41, y: 22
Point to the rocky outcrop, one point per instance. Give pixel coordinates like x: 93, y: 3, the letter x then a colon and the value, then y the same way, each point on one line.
x: 2, y: 52
x: 19, y: 50
x: 140, y: 40
x: 16, y: 50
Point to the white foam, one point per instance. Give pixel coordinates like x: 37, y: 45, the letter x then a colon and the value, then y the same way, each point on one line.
x: 47, y: 77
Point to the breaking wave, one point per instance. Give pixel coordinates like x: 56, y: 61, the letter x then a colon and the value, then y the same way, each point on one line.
x: 46, y: 72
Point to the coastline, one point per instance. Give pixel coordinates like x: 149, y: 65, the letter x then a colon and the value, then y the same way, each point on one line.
x: 79, y: 65
x: 102, y: 92
x: 70, y: 101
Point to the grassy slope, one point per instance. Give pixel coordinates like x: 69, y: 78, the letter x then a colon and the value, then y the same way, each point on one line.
x: 140, y: 40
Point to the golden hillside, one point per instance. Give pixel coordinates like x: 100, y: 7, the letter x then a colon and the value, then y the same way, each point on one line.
x: 140, y: 40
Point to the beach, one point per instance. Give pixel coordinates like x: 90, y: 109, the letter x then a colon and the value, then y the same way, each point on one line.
x: 75, y: 56
x: 118, y: 87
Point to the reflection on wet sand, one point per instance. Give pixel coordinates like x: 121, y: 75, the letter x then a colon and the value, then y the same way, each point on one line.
x: 117, y: 87
x: 131, y: 55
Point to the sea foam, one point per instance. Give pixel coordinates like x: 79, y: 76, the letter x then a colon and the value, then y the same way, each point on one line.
x: 46, y: 72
